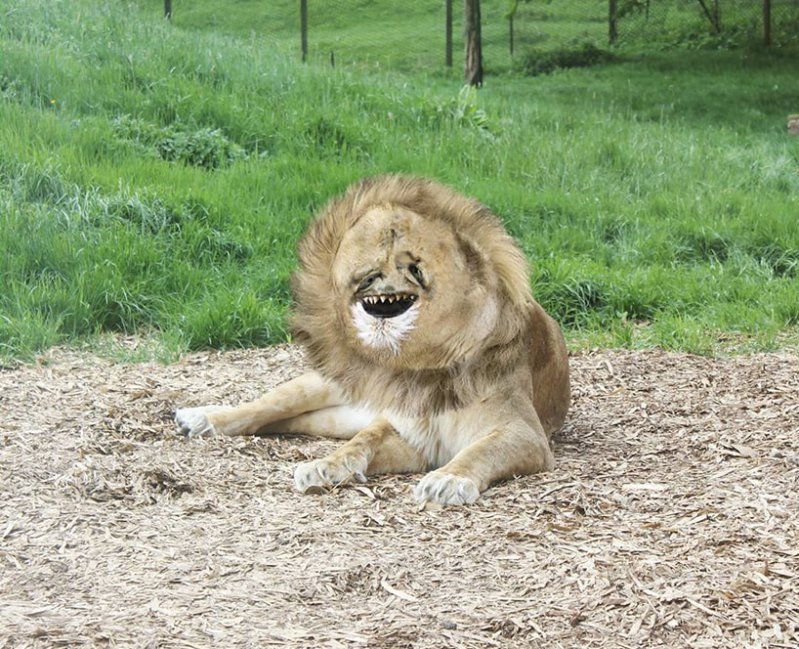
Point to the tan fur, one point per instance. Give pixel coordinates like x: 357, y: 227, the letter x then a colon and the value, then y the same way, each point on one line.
x: 469, y: 381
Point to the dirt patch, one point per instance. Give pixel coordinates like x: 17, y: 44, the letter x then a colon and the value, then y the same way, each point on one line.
x: 670, y: 520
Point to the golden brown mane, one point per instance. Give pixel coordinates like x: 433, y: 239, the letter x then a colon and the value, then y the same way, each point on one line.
x: 319, y: 323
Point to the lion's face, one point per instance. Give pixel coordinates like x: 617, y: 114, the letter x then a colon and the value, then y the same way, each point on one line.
x: 416, y: 294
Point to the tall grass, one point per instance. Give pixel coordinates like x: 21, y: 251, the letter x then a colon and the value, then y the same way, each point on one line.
x: 155, y: 180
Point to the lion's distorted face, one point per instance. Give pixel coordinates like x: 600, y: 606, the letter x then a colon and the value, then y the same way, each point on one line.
x: 416, y: 294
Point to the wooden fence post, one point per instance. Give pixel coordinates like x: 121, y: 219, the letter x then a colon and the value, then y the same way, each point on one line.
x: 766, y: 22
x: 613, y: 32
x: 304, y: 29
x: 448, y: 35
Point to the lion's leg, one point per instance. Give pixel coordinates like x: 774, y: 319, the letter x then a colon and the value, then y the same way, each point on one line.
x: 306, y: 393
x: 515, y: 449
x: 338, y: 422
x: 376, y: 449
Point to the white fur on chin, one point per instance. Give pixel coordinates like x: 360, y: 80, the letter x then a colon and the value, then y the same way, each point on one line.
x: 382, y: 333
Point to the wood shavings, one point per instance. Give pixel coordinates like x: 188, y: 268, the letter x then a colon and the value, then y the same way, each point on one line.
x: 669, y: 521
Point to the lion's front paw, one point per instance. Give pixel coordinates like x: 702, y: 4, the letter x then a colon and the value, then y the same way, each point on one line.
x: 320, y: 474
x: 446, y: 489
x: 194, y: 422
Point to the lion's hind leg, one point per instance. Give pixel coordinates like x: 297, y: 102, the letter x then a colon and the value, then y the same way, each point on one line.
x: 305, y: 394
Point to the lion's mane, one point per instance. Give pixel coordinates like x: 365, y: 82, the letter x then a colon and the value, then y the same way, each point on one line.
x: 319, y: 318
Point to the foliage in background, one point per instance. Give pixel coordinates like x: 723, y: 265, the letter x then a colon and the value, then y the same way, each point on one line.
x: 154, y: 181
x: 208, y: 148
x: 535, y: 62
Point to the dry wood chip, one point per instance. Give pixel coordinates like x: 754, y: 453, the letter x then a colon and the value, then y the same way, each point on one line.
x: 670, y: 520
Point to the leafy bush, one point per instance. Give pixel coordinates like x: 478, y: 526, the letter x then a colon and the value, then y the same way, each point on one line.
x: 462, y: 110
x: 207, y: 148
x: 535, y: 62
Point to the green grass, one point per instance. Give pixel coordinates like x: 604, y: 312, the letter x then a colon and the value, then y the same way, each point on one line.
x: 155, y: 178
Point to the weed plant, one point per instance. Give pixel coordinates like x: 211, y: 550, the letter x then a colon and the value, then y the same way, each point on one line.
x: 154, y: 181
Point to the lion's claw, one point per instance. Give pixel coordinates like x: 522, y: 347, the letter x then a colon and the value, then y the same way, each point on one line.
x: 321, y: 474
x: 446, y: 489
x: 194, y: 422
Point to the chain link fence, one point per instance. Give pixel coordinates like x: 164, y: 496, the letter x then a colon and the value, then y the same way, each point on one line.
x: 379, y: 33
x: 412, y: 36
x: 713, y: 22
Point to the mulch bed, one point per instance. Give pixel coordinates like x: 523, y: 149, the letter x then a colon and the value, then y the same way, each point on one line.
x: 669, y: 521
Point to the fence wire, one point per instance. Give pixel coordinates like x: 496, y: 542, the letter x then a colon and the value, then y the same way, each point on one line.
x: 380, y: 33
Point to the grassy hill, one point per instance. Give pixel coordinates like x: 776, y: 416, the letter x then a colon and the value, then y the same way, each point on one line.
x: 155, y: 177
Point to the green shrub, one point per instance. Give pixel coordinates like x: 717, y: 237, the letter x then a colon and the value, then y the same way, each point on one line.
x: 207, y: 148
x: 534, y: 61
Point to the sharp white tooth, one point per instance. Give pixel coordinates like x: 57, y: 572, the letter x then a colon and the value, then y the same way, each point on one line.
x: 391, y: 299
x: 382, y: 298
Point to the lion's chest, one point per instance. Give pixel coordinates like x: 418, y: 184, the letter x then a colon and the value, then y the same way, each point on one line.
x: 439, y: 437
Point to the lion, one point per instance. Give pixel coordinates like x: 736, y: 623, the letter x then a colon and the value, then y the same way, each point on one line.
x: 429, y: 352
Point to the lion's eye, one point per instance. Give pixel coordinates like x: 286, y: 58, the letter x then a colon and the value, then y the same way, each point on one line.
x: 368, y: 281
x: 416, y: 272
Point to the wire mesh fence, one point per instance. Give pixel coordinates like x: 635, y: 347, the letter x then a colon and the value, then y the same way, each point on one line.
x: 723, y: 22
x: 413, y: 35
x: 418, y: 39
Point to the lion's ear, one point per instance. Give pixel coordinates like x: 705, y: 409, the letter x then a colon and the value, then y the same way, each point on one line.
x: 514, y: 271
x: 505, y: 260
x: 476, y: 261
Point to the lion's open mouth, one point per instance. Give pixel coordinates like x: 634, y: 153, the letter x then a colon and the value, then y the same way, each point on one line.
x: 388, y: 306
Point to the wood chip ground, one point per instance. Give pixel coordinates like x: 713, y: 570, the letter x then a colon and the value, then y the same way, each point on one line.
x: 670, y: 520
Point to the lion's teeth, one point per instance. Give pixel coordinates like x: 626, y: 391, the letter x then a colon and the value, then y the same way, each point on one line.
x: 390, y: 299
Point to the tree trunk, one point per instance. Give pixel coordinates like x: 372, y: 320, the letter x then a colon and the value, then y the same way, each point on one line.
x: 168, y: 9
x: 473, y: 64
x: 713, y: 15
